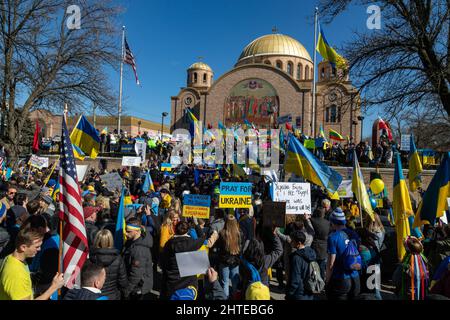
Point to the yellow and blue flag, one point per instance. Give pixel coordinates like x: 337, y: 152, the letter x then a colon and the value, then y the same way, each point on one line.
x: 328, y: 53
x: 303, y: 163
x: 415, y: 166
x: 194, y: 125
x: 434, y: 203
x: 148, y: 183
x: 359, y: 188
x: 402, y: 207
x: 322, y: 133
x: 2, y: 209
x: 120, y: 231
x: 85, y: 137
x: 55, y: 192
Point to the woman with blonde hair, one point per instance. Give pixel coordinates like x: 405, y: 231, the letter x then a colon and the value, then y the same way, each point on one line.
x: 104, y: 254
x: 229, y: 247
x: 376, y: 227
x: 168, y: 227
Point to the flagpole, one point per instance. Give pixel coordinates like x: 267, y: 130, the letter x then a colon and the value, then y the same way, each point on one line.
x: 313, y: 120
x: 121, y: 80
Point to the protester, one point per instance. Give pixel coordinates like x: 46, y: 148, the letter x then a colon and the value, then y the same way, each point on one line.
x: 92, y: 280
x: 319, y: 244
x: 168, y: 227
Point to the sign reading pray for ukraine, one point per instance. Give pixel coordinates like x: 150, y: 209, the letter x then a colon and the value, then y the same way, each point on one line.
x: 196, y: 205
x: 235, y: 195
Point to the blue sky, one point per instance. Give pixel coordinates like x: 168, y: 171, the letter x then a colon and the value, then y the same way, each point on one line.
x: 166, y: 37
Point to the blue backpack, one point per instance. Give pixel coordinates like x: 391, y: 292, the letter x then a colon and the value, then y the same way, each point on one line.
x: 351, y: 258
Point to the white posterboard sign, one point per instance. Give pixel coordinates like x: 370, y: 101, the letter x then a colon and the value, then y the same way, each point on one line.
x: 296, y: 195
x: 192, y: 263
x: 81, y: 171
x: 141, y: 148
x: 131, y: 161
x: 113, y: 181
x: 345, y: 189
x: 175, y: 161
x: 405, y: 142
x: 38, y: 162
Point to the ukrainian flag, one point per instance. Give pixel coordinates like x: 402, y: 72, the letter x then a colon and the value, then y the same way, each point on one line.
x: 434, y: 203
x: 55, y: 192
x: 194, y: 124
x: 359, y: 188
x: 415, y: 167
x: 303, y: 163
x: 322, y: 133
x: 148, y: 183
x: 328, y: 53
x: 85, y: 137
x: 401, y: 206
x: 120, y: 231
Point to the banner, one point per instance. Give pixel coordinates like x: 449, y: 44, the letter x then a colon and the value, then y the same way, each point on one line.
x: 296, y: 195
x: 274, y: 214
x: 131, y: 161
x: 166, y: 167
x: 196, y: 205
x: 126, y: 148
x: 113, y: 181
x: 81, y: 171
x: 405, y: 142
x: 345, y: 189
x: 38, y: 162
x: 141, y: 148
x: 235, y: 195
x: 310, y: 144
x: 192, y: 263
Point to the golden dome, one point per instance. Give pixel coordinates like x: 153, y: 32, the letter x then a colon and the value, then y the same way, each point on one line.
x: 200, y: 66
x: 275, y: 44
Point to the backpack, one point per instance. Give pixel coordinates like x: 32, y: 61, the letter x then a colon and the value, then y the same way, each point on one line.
x: 314, y: 282
x: 351, y: 258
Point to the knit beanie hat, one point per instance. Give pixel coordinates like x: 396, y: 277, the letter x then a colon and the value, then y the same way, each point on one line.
x: 338, y: 217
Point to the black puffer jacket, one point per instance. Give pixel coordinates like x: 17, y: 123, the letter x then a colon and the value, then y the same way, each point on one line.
x: 116, y: 273
x: 171, y: 275
x: 137, y: 256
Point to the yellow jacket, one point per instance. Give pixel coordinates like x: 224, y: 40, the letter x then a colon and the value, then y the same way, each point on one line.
x: 166, y: 235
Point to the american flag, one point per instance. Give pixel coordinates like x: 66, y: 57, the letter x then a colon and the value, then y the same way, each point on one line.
x: 129, y: 59
x: 75, y: 246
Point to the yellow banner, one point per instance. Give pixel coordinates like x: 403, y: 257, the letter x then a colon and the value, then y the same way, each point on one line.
x: 196, y: 212
x: 235, y: 201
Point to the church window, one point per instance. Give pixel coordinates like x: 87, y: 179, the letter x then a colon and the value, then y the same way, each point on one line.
x: 267, y: 62
x: 307, y: 73
x: 279, y: 64
x: 289, y: 68
x: 204, y: 78
x: 195, y: 77
x: 331, y: 114
x: 299, y: 71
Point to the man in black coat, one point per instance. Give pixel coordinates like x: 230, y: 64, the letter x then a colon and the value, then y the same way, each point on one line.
x: 321, y: 231
x: 92, y: 279
x: 137, y: 256
x: 181, y: 242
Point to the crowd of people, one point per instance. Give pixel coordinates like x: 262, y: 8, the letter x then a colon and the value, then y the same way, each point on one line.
x: 334, y: 253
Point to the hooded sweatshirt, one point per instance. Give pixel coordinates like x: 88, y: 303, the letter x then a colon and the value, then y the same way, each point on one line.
x: 298, y: 272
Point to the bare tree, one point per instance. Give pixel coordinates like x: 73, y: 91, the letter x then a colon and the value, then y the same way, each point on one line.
x: 406, y: 64
x: 44, y: 63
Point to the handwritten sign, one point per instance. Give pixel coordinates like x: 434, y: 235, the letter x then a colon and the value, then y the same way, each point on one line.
x: 112, y: 181
x: 141, y: 148
x: 196, y: 205
x: 131, y: 161
x: 296, y: 195
x: 235, y: 195
x: 38, y: 162
x: 274, y: 214
x: 405, y: 142
x: 345, y: 189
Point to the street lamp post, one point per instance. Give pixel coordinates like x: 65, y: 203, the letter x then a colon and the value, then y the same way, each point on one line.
x: 139, y: 128
x: 361, y: 118
x: 164, y: 114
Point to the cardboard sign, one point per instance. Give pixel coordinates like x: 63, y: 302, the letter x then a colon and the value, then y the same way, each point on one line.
x: 192, y: 263
x: 131, y: 161
x: 405, y: 142
x: 141, y: 148
x: 38, y: 162
x: 113, y: 181
x: 166, y: 167
x: 235, y: 195
x: 296, y: 195
x: 196, y: 205
x: 345, y: 189
x: 81, y: 171
x: 274, y: 214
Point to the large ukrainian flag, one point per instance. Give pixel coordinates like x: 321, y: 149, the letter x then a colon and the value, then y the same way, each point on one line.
x: 120, y: 230
x: 401, y: 206
x: 359, y: 188
x: 85, y: 138
x: 328, y: 53
x: 303, y: 163
x: 415, y: 167
x: 434, y: 202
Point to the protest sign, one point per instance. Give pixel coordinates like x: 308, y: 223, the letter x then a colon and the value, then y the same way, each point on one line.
x: 405, y: 142
x: 196, y: 205
x: 235, y: 195
x: 112, y: 181
x: 310, y: 144
x: 192, y: 263
x: 81, y: 171
x: 274, y: 214
x: 175, y: 161
x: 296, y: 195
x: 127, y: 148
x: 345, y: 189
x: 141, y: 148
x: 38, y: 162
x: 166, y: 167
x: 131, y: 161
